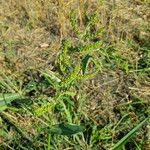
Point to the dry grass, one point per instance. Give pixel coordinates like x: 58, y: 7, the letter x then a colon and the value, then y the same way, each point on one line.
x: 31, y: 34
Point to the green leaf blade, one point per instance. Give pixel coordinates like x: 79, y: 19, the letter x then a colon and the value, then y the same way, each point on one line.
x: 6, y: 99
x: 66, y: 129
x: 125, y: 139
x: 85, y: 63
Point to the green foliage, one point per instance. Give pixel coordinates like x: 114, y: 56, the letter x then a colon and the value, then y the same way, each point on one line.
x: 71, y: 77
x: 144, y: 61
x: 75, y: 61
x: 63, y: 58
x: 42, y: 109
x: 58, y: 100
x: 52, y: 78
x: 126, y: 138
x: 84, y: 64
x: 74, y: 22
x: 71, y: 67
x: 6, y: 99
x: 87, y: 48
x: 7, y: 83
x: 66, y: 129
x: 89, y: 22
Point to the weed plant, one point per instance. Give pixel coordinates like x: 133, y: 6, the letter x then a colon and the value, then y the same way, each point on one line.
x: 91, y: 94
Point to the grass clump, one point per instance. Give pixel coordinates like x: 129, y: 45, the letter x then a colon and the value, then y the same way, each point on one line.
x: 74, y: 75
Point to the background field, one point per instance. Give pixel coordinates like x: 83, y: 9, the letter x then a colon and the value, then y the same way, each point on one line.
x: 108, y: 103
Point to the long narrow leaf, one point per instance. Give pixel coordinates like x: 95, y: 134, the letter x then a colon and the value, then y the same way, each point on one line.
x: 66, y: 129
x: 6, y: 99
x: 118, y: 145
x: 85, y: 63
